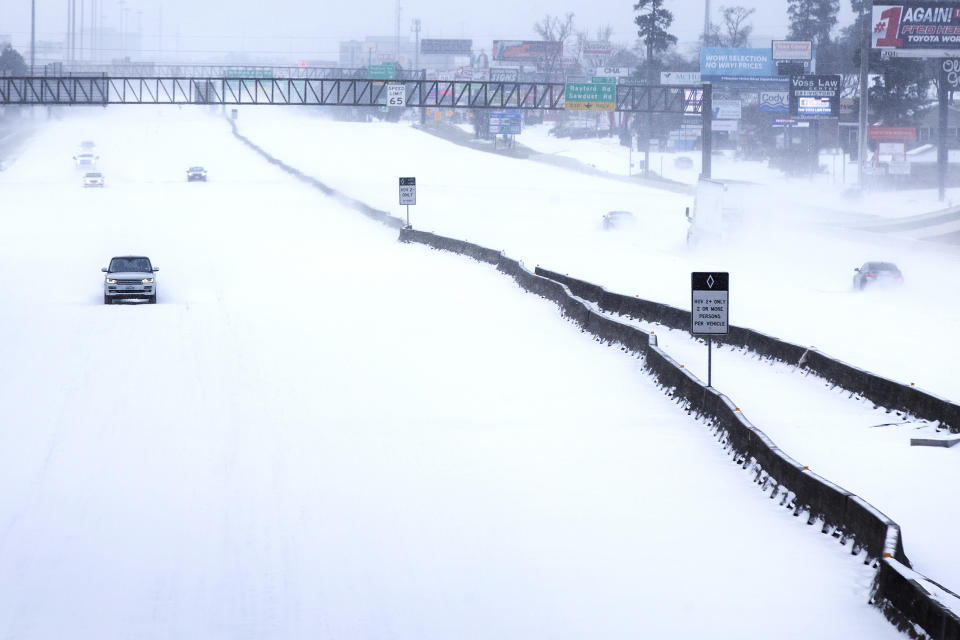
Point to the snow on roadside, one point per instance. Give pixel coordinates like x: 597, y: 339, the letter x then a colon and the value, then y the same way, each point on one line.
x: 846, y: 439
x: 791, y: 269
x: 267, y: 453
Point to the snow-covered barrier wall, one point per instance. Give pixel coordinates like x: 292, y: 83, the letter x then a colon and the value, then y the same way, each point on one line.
x: 884, y: 392
x: 908, y: 598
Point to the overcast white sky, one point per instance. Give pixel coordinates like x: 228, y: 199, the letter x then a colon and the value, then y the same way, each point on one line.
x: 302, y: 29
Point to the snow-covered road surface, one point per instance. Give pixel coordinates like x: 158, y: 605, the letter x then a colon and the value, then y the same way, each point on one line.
x: 320, y: 432
x: 791, y: 270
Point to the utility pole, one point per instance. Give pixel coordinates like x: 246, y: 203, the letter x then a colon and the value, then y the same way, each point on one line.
x: 416, y: 30
x: 33, y: 34
x: 706, y: 21
x: 864, y: 71
x: 396, y: 42
x: 82, y: 4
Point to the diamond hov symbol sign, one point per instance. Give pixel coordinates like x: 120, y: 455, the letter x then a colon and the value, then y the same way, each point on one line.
x: 710, y: 302
x: 408, y: 191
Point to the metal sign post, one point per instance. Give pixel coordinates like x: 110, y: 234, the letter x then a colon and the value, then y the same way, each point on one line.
x: 408, y: 194
x: 709, y: 309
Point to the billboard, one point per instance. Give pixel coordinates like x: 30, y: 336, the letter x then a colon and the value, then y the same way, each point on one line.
x: 597, y: 48
x: 774, y: 101
x: 815, y: 96
x: 526, y: 49
x: 792, y: 50
x: 916, y: 29
x: 726, y: 109
x: 733, y: 65
x: 446, y: 46
x: 679, y: 77
x: 504, y: 74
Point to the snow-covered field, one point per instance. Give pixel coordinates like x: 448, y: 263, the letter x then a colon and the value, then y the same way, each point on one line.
x: 791, y: 262
x: 319, y: 432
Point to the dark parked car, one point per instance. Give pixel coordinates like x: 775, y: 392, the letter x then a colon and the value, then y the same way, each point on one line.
x: 130, y: 277
x: 196, y: 173
x: 874, y: 273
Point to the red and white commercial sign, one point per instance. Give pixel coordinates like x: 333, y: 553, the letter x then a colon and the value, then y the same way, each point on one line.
x: 891, y: 133
x: 791, y: 50
x: 916, y: 29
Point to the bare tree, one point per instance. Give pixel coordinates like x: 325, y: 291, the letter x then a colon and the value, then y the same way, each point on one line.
x: 554, y: 29
x: 734, y: 32
x: 603, y: 34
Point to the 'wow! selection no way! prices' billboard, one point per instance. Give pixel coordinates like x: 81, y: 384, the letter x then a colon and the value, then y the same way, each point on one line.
x: 916, y: 29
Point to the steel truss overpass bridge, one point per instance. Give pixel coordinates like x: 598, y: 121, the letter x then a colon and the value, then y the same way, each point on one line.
x: 347, y: 92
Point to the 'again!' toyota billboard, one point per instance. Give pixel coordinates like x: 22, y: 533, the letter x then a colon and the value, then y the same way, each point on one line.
x: 916, y: 29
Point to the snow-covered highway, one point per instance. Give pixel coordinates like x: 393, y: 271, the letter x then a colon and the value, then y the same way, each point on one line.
x: 320, y: 432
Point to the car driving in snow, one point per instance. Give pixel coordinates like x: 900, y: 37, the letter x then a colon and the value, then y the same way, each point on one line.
x: 130, y: 277
x: 196, y: 173
x: 876, y: 273
x: 85, y: 159
x: 93, y: 179
x: 619, y: 220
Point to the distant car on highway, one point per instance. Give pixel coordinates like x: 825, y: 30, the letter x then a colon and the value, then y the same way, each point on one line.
x: 874, y: 273
x: 93, y: 179
x: 130, y: 277
x: 619, y: 220
x: 86, y: 159
x: 196, y: 173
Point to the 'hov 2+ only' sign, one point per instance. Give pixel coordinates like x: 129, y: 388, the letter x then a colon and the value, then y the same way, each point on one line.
x: 710, y: 304
x: 408, y: 191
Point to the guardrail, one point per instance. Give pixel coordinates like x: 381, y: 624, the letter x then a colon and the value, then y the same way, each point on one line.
x: 898, y: 590
x: 882, y: 391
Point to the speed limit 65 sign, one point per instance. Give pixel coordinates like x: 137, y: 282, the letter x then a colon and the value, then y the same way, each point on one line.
x: 396, y: 95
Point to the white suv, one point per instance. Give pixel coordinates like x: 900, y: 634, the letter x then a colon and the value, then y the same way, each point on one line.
x: 130, y: 277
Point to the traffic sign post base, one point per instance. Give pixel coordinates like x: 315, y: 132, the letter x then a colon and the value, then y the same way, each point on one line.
x: 709, y: 362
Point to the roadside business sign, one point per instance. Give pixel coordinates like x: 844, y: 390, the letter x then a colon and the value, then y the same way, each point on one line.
x: 727, y: 110
x: 504, y: 74
x: 385, y: 71
x: 506, y: 121
x: 891, y: 133
x: 616, y: 72
x: 774, y: 102
x: 789, y: 123
x: 916, y: 29
x: 950, y: 73
x: 597, y: 48
x: 791, y: 49
x: 815, y: 96
x: 531, y: 50
x: 587, y: 96
x: 603, y: 80
x: 710, y: 302
x: 680, y: 77
x: 446, y: 46
x: 396, y: 95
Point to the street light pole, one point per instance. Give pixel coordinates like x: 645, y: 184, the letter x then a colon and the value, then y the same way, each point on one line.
x: 864, y: 71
